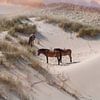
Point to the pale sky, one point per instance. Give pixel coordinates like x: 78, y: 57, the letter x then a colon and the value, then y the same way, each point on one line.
x: 70, y: 0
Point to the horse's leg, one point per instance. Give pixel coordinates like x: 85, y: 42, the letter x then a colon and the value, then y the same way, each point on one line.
x: 70, y: 58
x: 60, y: 57
x: 47, y: 58
x: 58, y: 60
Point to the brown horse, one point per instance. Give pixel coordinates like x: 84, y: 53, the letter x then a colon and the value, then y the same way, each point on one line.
x: 31, y: 40
x: 65, y: 52
x: 49, y: 53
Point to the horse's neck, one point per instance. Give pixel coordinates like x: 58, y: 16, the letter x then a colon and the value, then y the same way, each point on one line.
x: 43, y: 53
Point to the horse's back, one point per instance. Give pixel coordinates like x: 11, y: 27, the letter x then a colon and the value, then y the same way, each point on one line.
x: 62, y: 50
x: 58, y: 49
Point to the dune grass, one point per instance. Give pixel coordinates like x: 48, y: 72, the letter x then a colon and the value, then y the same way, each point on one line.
x: 6, y: 24
x: 23, y: 29
x: 13, y: 53
x: 70, y: 26
x: 13, y: 83
x: 16, y: 25
x: 88, y: 32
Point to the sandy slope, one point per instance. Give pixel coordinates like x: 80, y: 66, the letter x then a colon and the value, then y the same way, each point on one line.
x: 83, y: 74
x: 21, y: 82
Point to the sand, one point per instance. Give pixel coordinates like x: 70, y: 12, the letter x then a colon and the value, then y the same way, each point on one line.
x: 83, y: 74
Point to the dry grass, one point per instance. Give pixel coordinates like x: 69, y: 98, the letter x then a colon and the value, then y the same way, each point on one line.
x: 13, y: 83
x: 88, y: 32
x: 16, y: 25
x: 6, y: 24
x: 13, y: 53
x: 82, y: 30
x: 22, y: 28
x: 23, y: 42
x: 8, y: 38
x: 12, y: 33
x: 71, y: 26
x: 51, y: 20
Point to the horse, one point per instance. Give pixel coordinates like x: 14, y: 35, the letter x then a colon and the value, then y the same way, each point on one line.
x: 64, y: 52
x: 31, y: 40
x: 49, y: 53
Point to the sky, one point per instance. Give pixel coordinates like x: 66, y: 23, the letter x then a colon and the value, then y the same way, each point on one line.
x: 70, y: 0
x: 49, y: 1
x: 21, y: 1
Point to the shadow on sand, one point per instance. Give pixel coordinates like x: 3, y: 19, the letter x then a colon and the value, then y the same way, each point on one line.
x: 67, y: 64
x: 64, y: 64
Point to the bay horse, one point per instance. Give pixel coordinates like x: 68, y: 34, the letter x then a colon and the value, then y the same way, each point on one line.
x: 31, y: 40
x: 50, y: 53
x: 64, y: 52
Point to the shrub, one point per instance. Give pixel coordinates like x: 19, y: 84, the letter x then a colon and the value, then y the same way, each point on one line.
x: 23, y: 28
x: 6, y: 24
x: 88, y: 32
x: 12, y: 52
x: 51, y: 20
x: 71, y: 26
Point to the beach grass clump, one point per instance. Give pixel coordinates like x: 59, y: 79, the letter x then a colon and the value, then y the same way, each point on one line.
x: 12, y: 52
x: 53, y: 21
x: 14, y: 84
x: 6, y: 24
x: 88, y: 32
x: 71, y: 26
x: 23, y: 28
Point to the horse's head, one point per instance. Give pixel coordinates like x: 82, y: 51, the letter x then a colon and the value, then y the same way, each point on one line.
x: 43, y: 51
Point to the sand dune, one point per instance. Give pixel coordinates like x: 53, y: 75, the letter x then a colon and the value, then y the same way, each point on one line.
x: 84, y: 72
x: 85, y: 76
x: 81, y: 78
